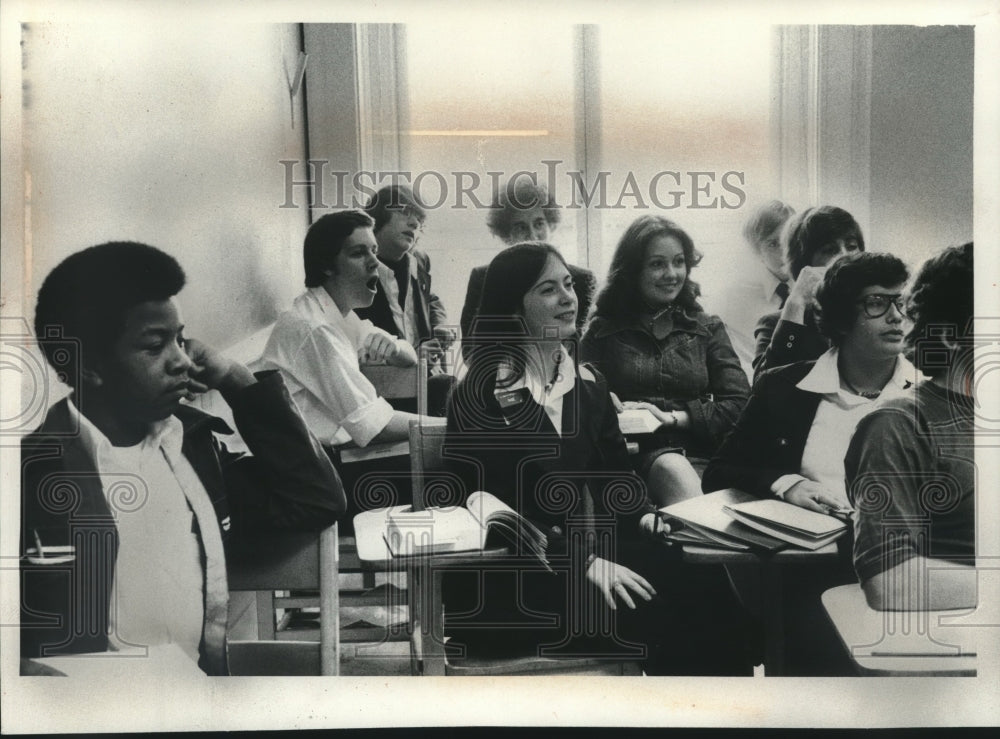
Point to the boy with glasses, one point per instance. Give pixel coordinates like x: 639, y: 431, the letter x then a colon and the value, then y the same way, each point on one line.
x: 404, y: 303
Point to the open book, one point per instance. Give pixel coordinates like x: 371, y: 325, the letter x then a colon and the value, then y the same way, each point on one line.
x: 633, y: 421
x: 788, y: 522
x: 701, y: 520
x: 458, y: 529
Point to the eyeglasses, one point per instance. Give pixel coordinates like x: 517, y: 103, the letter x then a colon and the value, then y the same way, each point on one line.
x: 877, y: 305
x: 409, y: 211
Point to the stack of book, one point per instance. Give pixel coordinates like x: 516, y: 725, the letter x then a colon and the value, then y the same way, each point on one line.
x: 732, y: 519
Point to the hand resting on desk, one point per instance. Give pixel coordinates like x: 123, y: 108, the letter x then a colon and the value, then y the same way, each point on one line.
x: 813, y: 496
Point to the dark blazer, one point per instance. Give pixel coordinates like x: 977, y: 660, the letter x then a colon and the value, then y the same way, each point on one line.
x: 783, y: 342
x: 427, y: 307
x: 288, y: 483
x: 770, y: 435
x: 584, y: 284
x: 515, y: 454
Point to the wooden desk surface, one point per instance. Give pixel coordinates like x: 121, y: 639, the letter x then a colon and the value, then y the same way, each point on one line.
x: 913, y: 643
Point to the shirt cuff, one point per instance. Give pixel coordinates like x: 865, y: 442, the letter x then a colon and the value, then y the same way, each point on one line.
x: 365, y: 423
x: 785, y: 483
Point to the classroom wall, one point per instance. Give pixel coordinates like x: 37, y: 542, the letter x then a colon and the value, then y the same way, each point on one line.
x: 921, y: 139
x: 171, y: 134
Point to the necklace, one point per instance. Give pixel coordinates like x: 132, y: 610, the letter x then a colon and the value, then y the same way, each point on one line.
x: 871, y: 395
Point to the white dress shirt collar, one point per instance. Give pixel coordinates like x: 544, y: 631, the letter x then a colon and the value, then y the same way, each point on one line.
x: 824, y: 378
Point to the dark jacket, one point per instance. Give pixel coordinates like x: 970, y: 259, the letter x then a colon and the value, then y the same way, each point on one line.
x: 427, y: 307
x: 289, y: 482
x: 770, y: 436
x: 584, y: 284
x: 783, y: 342
x: 693, y: 368
x: 515, y: 454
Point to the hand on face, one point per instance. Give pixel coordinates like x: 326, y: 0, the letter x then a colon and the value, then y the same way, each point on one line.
x: 210, y: 369
x: 802, y: 293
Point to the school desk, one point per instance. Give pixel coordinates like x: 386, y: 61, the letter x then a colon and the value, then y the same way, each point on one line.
x: 901, y: 643
x: 769, y: 569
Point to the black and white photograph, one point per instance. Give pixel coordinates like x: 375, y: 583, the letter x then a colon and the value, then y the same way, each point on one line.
x: 437, y: 364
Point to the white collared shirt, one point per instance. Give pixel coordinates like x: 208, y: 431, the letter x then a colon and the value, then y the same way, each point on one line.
x: 837, y: 415
x: 547, y: 394
x: 403, y: 317
x: 158, y: 595
x: 316, y: 347
x: 742, y: 304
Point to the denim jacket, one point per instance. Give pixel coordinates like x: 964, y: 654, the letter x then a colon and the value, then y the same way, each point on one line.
x: 693, y: 368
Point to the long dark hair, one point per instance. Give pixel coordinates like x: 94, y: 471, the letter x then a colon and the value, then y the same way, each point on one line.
x: 620, y: 298
x: 498, y: 332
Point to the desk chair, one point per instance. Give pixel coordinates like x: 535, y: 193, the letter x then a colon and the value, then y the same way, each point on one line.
x: 901, y: 643
x: 290, y: 561
x: 358, y: 588
x: 425, y: 577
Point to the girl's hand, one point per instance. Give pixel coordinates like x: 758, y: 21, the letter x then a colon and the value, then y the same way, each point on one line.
x: 668, y: 419
x: 655, y: 526
x: 613, y: 579
x: 815, y: 497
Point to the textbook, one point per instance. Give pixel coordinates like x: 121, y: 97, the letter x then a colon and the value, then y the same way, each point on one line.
x: 705, y: 523
x: 637, y: 421
x: 788, y: 522
x: 462, y: 529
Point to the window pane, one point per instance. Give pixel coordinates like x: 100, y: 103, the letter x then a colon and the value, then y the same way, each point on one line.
x: 686, y: 98
x: 484, y: 99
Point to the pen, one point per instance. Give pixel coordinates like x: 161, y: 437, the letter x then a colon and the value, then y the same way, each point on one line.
x: 38, y: 543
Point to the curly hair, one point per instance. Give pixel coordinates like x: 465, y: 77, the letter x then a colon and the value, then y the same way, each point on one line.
x: 620, y: 298
x: 325, y: 239
x: 520, y: 194
x: 87, y: 295
x: 941, y: 297
x: 843, y: 283
x: 392, y: 198
x: 807, y: 232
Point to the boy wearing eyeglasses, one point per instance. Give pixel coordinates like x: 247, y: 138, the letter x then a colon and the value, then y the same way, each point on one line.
x: 404, y: 304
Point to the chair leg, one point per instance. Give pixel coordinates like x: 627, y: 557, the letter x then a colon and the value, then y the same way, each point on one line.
x: 367, y: 579
x: 265, y: 615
